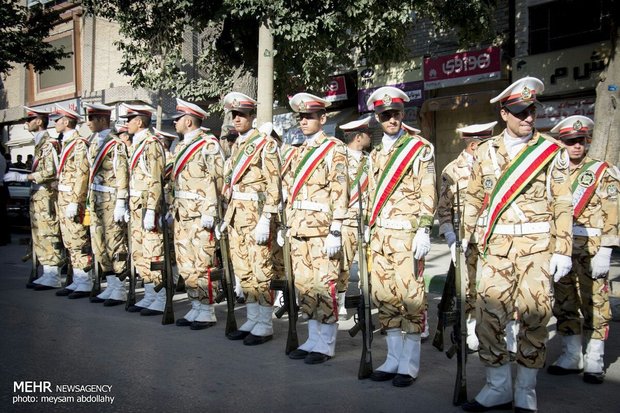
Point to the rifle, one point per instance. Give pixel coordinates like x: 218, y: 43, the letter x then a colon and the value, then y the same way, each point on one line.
x: 231, y: 322
x: 452, y: 313
x: 362, y: 301
x: 131, y: 294
x: 97, y: 279
x: 166, y: 266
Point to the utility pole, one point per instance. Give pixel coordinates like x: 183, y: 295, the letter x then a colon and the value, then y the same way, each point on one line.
x: 264, y: 110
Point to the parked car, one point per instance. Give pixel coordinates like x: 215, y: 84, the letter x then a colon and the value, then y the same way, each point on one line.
x: 18, y: 206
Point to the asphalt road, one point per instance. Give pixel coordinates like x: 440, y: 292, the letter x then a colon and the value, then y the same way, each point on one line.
x: 109, y: 360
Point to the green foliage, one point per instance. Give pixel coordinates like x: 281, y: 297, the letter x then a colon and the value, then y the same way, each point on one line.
x: 312, y: 39
x: 23, y: 31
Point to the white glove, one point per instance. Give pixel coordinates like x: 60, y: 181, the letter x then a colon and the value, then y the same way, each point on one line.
x: 127, y: 216
x: 169, y: 218
x: 421, y: 244
x: 332, y: 245
x: 219, y: 229
x: 13, y: 176
x: 261, y: 232
x: 120, y: 209
x: 72, y: 210
x: 149, y: 220
x: 450, y: 237
x: 280, y: 238
x: 464, y: 246
x: 207, y: 221
x: 559, y: 266
x: 367, y: 234
x: 600, y: 263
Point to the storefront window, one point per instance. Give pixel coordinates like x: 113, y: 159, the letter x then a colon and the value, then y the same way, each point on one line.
x: 56, y: 78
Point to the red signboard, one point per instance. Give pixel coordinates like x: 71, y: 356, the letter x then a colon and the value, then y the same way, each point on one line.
x: 462, y: 68
x: 336, y: 89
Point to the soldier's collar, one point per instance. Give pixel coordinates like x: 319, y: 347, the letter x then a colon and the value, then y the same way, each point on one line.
x: 71, y: 133
x: 189, y: 136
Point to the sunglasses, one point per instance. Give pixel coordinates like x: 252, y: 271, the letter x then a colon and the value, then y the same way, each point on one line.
x: 389, y: 114
x: 309, y: 116
x: 575, y: 141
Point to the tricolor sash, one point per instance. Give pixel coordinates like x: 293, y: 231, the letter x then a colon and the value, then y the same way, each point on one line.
x: 308, y: 165
x: 286, y: 158
x: 398, y: 164
x: 135, y: 156
x: 362, y: 178
x: 186, y: 154
x: 247, y: 152
x: 66, y: 151
x: 103, y: 151
x: 35, y: 164
x: 585, y: 185
x: 519, y: 172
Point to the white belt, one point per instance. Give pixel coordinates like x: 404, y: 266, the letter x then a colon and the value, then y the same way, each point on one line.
x: 310, y: 206
x: 187, y: 195
x: 522, y: 229
x: 586, y: 232
x: 248, y: 196
x: 64, y: 188
x: 102, y: 188
x: 135, y: 192
x: 394, y: 223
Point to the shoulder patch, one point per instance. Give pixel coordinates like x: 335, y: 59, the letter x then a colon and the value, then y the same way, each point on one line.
x: 562, y: 159
x: 427, y: 153
x: 211, y: 147
x: 271, y: 146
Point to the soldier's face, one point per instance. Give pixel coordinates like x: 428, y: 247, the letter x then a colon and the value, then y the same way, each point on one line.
x: 180, y: 125
x: 97, y: 123
x: 60, y: 125
x: 576, y: 148
x: 241, y: 121
x: 311, y: 123
x: 134, y: 125
x: 364, y: 139
x: 521, y: 124
x: 391, y: 121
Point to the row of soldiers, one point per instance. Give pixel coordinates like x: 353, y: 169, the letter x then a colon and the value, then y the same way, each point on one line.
x: 533, y: 207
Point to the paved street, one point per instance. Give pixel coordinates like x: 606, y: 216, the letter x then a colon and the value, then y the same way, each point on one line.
x: 154, y: 368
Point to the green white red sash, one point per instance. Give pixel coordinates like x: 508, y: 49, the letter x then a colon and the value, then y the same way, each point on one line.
x: 35, y: 164
x: 308, y: 165
x: 186, y: 154
x: 286, y: 158
x: 398, y: 164
x: 66, y: 151
x: 362, y: 178
x: 247, y: 152
x: 135, y: 156
x: 585, y: 185
x: 519, y: 172
x: 103, y: 151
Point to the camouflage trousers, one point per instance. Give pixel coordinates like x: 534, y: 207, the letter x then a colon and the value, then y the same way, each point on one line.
x: 146, y: 246
x: 316, y: 278
x: 45, y: 228
x: 195, y: 248
x: 277, y: 255
x: 349, y: 249
x: 108, y: 238
x: 506, y: 283
x: 252, y: 264
x: 397, y: 292
x: 579, y: 292
x: 471, y: 263
x: 74, y: 234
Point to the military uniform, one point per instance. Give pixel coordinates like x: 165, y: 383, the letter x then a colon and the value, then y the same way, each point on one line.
x: 456, y: 174
x: 147, y: 161
x: 252, y: 190
x: 72, y: 175
x: 317, y: 205
x: 107, y: 203
x: 196, y: 178
x: 585, y: 289
x: 518, y: 194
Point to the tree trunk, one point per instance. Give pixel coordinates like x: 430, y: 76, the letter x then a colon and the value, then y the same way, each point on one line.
x: 265, y: 74
x: 605, y: 141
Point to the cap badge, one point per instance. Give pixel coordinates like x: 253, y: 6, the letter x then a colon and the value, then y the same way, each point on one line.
x: 577, y: 125
x: 302, y: 106
x: 234, y: 104
x: 526, y: 93
x: 387, y: 100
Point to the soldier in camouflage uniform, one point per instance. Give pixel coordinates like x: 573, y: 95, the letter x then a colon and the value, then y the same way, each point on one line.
x: 316, y: 207
x: 147, y: 161
x: 402, y: 199
x: 43, y: 195
x: 107, y: 204
x: 456, y: 173
x: 518, y: 194
x: 595, y: 233
x: 357, y: 137
x: 251, y: 187
x: 196, y: 177
x: 72, y: 187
